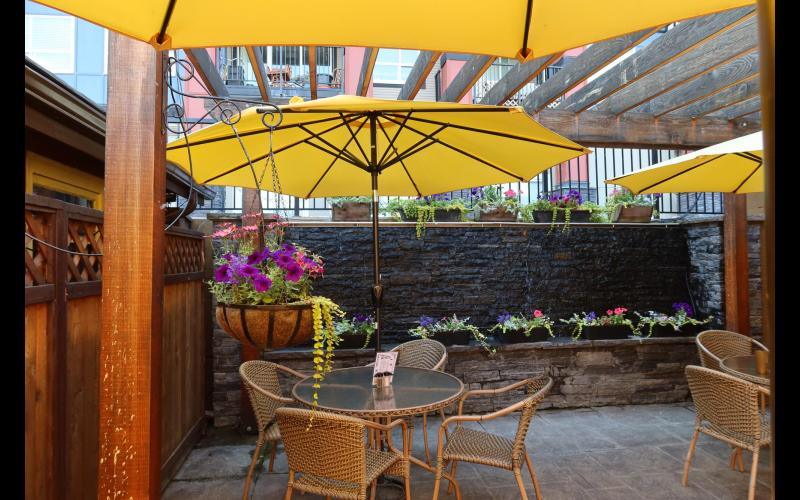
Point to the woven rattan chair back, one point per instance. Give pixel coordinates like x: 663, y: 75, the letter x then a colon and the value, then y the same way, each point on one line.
x: 333, y: 448
x: 537, y: 389
x: 262, y: 374
x: 422, y: 353
x: 716, y: 345
x: 729, y: 404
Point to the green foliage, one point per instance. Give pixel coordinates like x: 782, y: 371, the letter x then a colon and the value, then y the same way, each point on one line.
x: 624, y: 198
x: 359, y: 324
x: 676, y: 321
x: 490, y: 198
x: 615, y: 317
x: 518, y: 322
x: 423, y: 209
x: 428, y: 328
x: 338, y: 201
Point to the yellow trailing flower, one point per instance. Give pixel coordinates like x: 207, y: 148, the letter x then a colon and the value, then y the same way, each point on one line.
x: 323, y: 311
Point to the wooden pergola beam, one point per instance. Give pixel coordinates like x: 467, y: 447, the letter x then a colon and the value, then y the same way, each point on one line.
x: 737, y: 287
x: 312, y: 70
x: 419, y: 72
x: 466, y: 77
x: 594, y: 128
x: 516, y: 78
x: 207, y: 71
x: 730, y: 95
x: 133, y: 278
x: 696, y: 63
x: 672, y: 44
x: 256, y: 56
x: 581, y: 68
x: 710, y: 84
x: 738, y: 110
x: 367, y: 65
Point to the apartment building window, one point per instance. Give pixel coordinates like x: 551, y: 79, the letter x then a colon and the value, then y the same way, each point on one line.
x: 393, y: 65
x: 50, y: 41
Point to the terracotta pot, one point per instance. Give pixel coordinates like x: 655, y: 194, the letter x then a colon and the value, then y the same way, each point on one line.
x: 267, y: 327
x: 352, y: 210
x: 574, y: 215
x: 633, y: 214
x: 496, y: 215
x: 605, y: 332
x: 518, y: 336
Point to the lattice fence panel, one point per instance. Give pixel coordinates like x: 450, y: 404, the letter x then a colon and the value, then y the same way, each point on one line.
x: 37, y: 256
x: 85, y: 237
x: 183, y: 255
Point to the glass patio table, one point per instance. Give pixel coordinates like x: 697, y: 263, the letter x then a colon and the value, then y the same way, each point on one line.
x: 744, y: 367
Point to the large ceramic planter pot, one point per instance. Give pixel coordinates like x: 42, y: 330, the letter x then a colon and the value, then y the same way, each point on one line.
x: 453, y: 338
x: 267, y: 327
x: 518, y: 336
x: 610, y: 332
x: 352, y: 210
x: 633, y: 214
x: 356, y: 341
x: 574, y: 216
x: 497, y: 214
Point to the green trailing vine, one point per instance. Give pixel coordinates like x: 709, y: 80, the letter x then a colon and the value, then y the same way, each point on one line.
x: 325, y: 339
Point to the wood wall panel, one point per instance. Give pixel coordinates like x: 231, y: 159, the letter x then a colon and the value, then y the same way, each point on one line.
x: 38, y: 434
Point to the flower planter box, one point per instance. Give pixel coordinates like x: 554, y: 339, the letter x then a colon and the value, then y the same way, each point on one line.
x: 352, y: 210
x: 439, y: 215
x: 453, y: 338
x: 496, y: 215
x: 519, y: 337
x: 605, y: 332
x: 574, y: 216
x: 633, y: 214
x: 693, y: 330
x: 356, y: 341
x: 662, y: 331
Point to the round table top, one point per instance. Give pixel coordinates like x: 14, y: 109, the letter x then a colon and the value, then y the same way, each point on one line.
x: 349, y: 391
x: 745, y: 367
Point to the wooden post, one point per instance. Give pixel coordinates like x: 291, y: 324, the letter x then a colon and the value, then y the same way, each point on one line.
x: 251, y: 204
x: 133, y: 278
x: 737, y: 300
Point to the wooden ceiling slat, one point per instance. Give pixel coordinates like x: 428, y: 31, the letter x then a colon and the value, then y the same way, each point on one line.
x: 738, y: 110
x: 312, y: 70
x: 207, y: 71
x: 367, y: 65
x: 466, y: 77
x: 728, y: 96
x: 516, y: 78
x: 419, y: 72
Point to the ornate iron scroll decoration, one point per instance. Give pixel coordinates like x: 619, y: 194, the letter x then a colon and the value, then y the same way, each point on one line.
x: 229, y: 112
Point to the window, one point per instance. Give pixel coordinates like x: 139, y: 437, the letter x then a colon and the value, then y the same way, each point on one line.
x: 50, y: 41
x: 393, y: 65
x: 66, y: 197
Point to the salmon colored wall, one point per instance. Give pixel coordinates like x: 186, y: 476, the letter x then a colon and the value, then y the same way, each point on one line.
x: 570, y: 170
x: 353, y: 57
x: 194, y: 107
x: 449, y: 72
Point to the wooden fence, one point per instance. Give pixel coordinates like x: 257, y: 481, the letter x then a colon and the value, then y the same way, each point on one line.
x: 62, y: 344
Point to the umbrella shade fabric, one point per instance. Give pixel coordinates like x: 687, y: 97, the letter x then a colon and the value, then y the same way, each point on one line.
x: 728, y: 167
x: 507, y: 28
x: 322, y: 148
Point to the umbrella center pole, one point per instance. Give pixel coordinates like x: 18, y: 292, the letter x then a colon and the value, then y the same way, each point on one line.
x: 377, y: 289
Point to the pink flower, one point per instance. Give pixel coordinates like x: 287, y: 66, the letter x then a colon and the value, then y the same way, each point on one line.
x: 510, y: 193
x: 537, y: 314
x: 609, y: 312
x: 619, y: 310
x: 250, y: 228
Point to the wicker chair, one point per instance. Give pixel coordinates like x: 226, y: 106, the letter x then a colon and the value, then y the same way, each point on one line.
x: 727, y: 409
x: 264, y: 389
x: 331, y: 459
x: 716, y: 345
x: 470, y: 445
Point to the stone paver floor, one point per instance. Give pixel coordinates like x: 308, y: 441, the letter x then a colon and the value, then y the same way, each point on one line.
x: 612, y: 452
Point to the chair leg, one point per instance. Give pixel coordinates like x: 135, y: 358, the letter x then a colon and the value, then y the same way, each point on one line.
x: 425, y: 437
x: 288, y: 494
x: 533, y: 477
x: 274, y: 445
x: 453, y: 475
x: 252, y: 468
x: 437, y: 479
x: 407, y: 484
x: 373, y: 489
x: 689, y: 455
x: 751, y: 492
x: 739, y: 457
x: 441, y: 414
x: 518, y: 477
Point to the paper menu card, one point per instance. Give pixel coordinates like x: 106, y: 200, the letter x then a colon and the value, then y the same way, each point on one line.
x: 384, y: 369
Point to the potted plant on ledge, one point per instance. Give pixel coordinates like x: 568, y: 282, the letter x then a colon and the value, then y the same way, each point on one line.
x: 517, y: 328
x: 680, y: 323
x: 623, y: 206
x: 492, y: 206
x: 351, y: 208
x: 612, y: 325
x: 355, y: 333
x: 449, y: 331
x: 439, y: 208
x: 555, y: 209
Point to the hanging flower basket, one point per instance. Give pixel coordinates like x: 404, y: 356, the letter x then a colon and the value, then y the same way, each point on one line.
x: 267, y: 327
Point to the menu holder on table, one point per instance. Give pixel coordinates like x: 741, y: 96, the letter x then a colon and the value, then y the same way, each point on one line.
x: 384, y: 369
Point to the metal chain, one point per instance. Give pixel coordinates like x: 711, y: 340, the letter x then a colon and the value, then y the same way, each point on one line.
x: 276, y: 182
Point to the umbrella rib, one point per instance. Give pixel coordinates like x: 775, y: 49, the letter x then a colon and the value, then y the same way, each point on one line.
x: 747, y: 178
x: 401, y: 161
x: 165, y: 22
x: 748, y: 155
x: 492, y: 132
x: 411, y: 151
x: 465, y: 109
x: 391, y: 142
x: 468, y: 155
x: 355, y: 161
x: 284, y: 148
x: 662, y: 181
x: 524, y: 50
x: 354, y: 137
x: 255, y: 132
x: 337, y: 155
x: 333, y: 162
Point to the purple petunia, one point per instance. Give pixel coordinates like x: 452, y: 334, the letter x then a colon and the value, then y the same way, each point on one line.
x: 294, y: 273
x: 361, y: 318
x: 503, y: 318
x: 284, y: 260
x: 591, y: 316
x: 683, y: 306
x: 288, y: 248
x: 425, y: 321
x: 254, y: 258
x: 227, y: 257
x: 249, y: 271
x: 224, y: 274
x: 262, y: 283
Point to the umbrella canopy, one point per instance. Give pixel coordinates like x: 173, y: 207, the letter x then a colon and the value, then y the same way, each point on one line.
x: 728, y: 167
x: 322, y: 148
x: 508, y: 28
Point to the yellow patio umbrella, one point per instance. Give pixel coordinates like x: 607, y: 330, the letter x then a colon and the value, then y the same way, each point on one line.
x: 347, y: 145
x: 728, y: 167
x: 508, y: 28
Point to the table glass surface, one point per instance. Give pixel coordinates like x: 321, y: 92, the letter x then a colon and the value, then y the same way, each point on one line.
x: 745, y: 365
x: 350, y: 389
